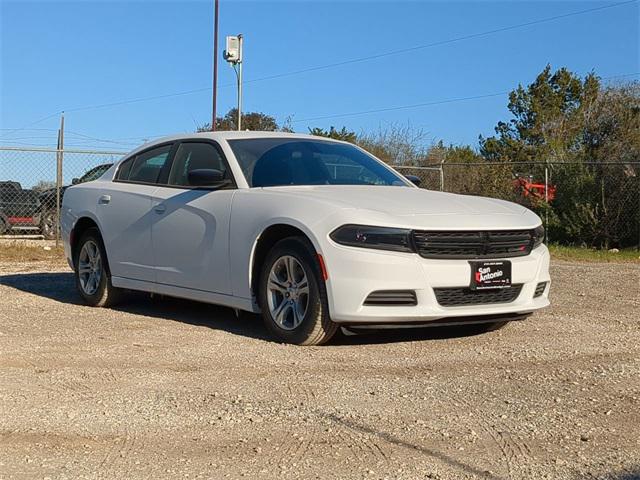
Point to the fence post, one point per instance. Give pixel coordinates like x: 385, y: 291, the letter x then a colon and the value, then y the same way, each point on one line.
x: 442, y: 175
x: 59, y: 160
x: 546, y: 201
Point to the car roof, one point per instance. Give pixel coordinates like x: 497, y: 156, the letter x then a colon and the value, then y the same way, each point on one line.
x: 231, y: 135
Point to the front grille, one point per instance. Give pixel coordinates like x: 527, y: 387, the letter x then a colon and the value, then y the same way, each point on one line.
x: 473, y: 244
x: 539, y: 289
x: 395, y: 298
x: 463, y: 296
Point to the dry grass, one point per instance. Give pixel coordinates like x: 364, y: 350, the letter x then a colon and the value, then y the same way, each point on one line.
x: 559, y: 252
x: 20, y: 251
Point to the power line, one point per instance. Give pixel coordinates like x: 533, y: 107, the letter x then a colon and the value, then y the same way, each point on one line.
x: 402, y: 107
x: 438, y: 43
x: 103, y: 140
x: 354, y: 60
x: 140, y: 99
x: 34, y: 129
x: 426, y: 104
x: 635, y: 74
x: 72, y: 133
x: 322, y: 117
x: 29, y: 124
x: 310, y: 119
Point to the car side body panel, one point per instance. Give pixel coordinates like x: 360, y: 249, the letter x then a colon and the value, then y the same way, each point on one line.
x: 253, y: 212
x: 190, y: 238
x: 125, y: 217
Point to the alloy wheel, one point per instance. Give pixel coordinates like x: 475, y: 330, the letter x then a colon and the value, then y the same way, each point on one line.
x: 90, y: 267
x: 287, y: 292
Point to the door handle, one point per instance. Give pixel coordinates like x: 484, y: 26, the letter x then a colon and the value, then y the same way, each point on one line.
x: 160, y: 208
x: 104, y: 199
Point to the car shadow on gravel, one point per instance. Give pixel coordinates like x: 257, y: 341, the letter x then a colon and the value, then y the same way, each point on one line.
x: 59, y: 286
x: 416, y: 334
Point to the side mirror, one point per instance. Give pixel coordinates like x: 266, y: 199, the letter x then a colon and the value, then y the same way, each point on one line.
x: 75, y: 181
x: 206, y: 177
x: 413, y: 179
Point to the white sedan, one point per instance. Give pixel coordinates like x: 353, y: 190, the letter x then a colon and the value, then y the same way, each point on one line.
x: 311, y: 232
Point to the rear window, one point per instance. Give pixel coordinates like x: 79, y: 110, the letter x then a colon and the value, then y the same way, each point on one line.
x: 145, y: 167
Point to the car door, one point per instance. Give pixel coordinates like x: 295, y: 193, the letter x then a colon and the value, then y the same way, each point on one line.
x: 190, y: 226
x: 124, y: 211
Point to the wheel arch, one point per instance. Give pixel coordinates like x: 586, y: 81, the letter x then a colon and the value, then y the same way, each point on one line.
x: 81, y: 225
x: 268, y: 237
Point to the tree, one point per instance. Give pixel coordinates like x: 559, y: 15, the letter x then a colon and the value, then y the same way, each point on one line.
x: 397, y: 145
x: 563, y: 119
x: 254, y: 121
x: 546, y: 123
x: 342, y: 134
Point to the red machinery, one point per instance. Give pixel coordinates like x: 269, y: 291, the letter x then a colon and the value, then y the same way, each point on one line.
x: 535, y: 192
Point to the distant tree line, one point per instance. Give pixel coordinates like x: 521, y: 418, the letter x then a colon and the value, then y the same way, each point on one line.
x: 575, y: 126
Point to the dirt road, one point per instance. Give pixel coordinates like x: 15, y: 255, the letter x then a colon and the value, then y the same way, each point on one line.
x: 173, y: 389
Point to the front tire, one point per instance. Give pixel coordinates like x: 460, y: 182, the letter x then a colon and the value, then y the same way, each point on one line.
x: 293, y: 295
x: 93, y: 279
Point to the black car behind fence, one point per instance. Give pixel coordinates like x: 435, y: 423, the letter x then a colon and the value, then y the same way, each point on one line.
x: 33, y: 182
x: 586, y: 204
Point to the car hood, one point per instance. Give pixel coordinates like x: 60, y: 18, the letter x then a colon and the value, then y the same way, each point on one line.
x: 404, y: 201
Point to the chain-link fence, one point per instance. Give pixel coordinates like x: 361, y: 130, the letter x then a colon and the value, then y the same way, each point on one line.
x: 587, y: 203
x: 591, y: 204
x: 33, y: 181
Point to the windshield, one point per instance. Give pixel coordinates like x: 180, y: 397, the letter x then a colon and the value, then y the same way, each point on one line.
x: 270, y: 162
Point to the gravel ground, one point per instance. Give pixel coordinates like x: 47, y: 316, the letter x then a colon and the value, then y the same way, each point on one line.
x: 163, y: 388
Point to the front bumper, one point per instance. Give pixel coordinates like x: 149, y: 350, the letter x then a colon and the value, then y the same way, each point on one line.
x: 354, y: 273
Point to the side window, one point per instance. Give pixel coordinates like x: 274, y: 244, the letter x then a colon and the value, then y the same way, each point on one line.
x: 146, y: 167
x: 194, y: 156
x: 94, y: 173
x: 124, y: 169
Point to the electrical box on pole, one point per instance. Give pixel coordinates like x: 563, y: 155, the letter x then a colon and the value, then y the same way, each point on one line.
x: 233, y: 55
x: 233, y: 52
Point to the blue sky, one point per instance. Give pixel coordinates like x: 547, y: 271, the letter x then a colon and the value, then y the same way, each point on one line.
x: 69, y: 55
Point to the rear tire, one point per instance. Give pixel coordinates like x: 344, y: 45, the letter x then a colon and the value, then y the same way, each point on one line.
x: 92, y: 275
x: 293, y: 295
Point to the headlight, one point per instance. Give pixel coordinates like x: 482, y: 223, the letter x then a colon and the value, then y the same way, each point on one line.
x: 538, y: 236
x: 382, y: 238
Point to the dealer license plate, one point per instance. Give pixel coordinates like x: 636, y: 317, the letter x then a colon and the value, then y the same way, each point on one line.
x: 490, y: 274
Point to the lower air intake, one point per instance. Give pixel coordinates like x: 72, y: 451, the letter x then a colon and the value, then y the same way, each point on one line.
x: 393, y: 298
x: 463, y: 296
x: 539, y: 289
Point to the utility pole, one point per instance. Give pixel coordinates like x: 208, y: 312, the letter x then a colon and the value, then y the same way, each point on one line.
x: 233, y: 55
x: 240, y: 85
x: 59, y: 160
x: 215, y: 64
